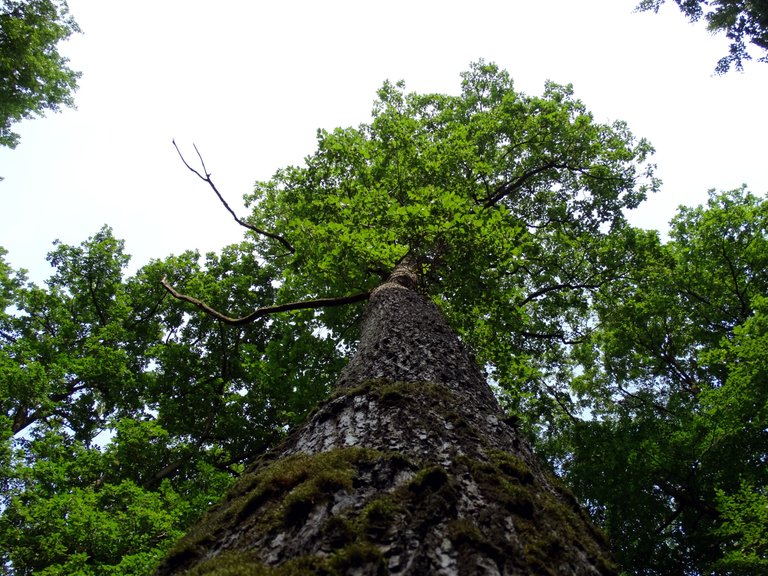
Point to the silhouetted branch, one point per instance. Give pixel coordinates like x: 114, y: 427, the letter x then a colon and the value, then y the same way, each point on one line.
x: 557, y: 287
x: 561, y: 336
x: 515, y: 184
x: 266, y: 310
x: 206, y: 177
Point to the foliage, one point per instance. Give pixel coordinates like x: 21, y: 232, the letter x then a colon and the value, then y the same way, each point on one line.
x: 741, y: 20
x: 74, y: 509
x: 34, y: 77
x: 637, y: 364
x: 123, y: 418
x: 506, y: 201
x: 673, y: 460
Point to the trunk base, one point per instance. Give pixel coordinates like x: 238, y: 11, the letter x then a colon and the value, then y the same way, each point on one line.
x: 434, y: 497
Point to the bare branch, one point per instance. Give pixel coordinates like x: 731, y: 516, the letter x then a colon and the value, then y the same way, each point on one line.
x: 206, y: 177
x: 266, y: 310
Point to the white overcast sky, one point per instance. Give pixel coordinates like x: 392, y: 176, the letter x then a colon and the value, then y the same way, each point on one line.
x: 250, y: 83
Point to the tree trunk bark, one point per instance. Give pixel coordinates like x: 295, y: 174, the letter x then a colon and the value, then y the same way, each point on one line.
x: 409, y: 468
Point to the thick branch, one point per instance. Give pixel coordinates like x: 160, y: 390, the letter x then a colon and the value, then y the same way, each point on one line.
x: 206, y: 177
x: 671, y: 518
x: 266, y: 310
x: 555, y: 287
x: 655, y: 405
x: 23, y: 418
x: 8, y: 336
x: 743, y: 301
x: 508, y: 187
x: 550, y: 336
x: 685, y: 499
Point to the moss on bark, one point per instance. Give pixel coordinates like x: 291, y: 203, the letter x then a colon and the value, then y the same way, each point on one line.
x: 419, y: 475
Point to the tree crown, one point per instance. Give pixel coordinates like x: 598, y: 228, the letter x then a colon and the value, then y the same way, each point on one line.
x: 34, y: 76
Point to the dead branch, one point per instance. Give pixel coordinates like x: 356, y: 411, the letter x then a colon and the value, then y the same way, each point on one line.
x: 206, y: 177
x: 266, y: 310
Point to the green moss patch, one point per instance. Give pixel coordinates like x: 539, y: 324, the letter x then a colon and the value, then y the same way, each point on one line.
x: 343, y: 561
x: 284, y: 493
x: 280, y: 495
x: 466, y: 536
x: 429, y: 479
x: 511, y: 466
x: 277, y: 498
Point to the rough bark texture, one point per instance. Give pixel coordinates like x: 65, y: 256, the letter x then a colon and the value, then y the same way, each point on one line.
x: 410, y: 468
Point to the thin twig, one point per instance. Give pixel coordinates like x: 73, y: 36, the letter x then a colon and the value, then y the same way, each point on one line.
x: 206, y: 177
x: 266, y: 310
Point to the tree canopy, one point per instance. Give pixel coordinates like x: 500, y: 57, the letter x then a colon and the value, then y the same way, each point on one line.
x: 34, y: 76
x: 104, y: 459
x: 741, y: 21
x: 632, y: 363
x: 508, y: 202
x: 673, y: 457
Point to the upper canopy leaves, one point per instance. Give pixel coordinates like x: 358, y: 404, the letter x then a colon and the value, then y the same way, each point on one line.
x: 437, y: 175
x: 503, y: 199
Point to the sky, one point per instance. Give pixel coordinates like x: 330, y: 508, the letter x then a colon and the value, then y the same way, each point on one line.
x: 250, y: 83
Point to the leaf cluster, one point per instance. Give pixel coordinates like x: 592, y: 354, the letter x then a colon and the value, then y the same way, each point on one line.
x: 34, y: 76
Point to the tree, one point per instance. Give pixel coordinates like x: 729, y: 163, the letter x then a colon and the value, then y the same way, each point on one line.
x: 673, y: 462
x: 34, y: 77
x: 636, y: 366
x: 497, y: 206
x: 409, y: 469
x: 741, y: 21
x: 102, y: 462
x: 507, y: 201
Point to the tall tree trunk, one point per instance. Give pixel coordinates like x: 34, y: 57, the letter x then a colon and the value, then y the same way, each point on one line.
x: 410, y: 468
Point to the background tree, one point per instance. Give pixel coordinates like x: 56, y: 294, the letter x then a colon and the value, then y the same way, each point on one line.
x: 672, y: 460
x: 741, y: 20
x: 104, y: 462
x: 34, y: 77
